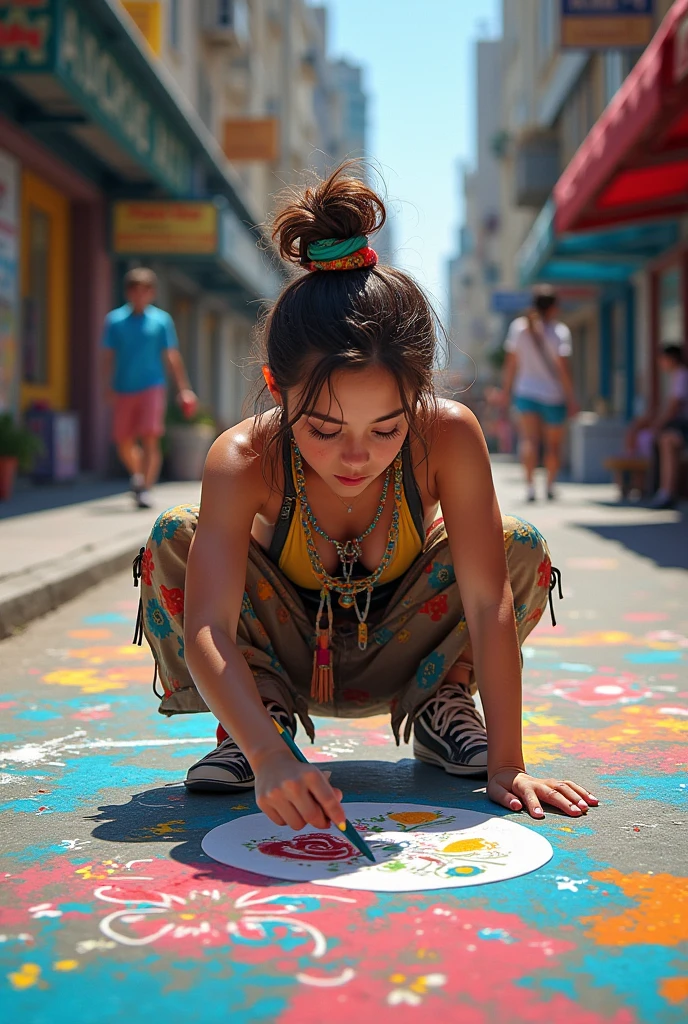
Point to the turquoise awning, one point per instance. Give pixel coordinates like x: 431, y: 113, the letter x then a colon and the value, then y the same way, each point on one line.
x: 606, y: 257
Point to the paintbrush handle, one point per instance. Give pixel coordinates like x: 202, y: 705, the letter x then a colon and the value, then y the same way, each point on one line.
x: 346, y: 827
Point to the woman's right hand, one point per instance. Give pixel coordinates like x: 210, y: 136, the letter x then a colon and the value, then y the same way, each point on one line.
x: 296, y: 794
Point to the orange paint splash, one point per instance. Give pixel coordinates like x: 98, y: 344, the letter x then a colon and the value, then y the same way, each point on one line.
x: 659, y: 917
x: 674, y: 990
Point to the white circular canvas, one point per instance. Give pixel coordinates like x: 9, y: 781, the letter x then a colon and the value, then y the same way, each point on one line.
x: 416, y: 846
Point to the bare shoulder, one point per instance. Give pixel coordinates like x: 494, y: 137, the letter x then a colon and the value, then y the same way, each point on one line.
x: 456, y: 442
x: 235, y: 468
x: 455, y: 423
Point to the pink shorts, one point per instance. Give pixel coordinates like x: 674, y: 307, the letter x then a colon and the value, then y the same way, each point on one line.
x: 139, y: 414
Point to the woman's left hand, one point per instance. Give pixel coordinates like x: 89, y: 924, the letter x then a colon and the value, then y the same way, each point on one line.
x: 518, y: 790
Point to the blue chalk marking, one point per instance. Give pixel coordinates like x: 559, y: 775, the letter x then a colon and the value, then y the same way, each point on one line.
x: 107, y: 618
x: 653, y: 657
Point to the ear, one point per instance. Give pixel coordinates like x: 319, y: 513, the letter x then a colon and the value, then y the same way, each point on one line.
x: 271, y: 386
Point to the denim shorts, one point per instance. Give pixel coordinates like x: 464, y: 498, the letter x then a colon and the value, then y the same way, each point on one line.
x: 554, y: 415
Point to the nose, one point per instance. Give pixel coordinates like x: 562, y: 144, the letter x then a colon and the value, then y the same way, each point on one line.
x: 355, y: 457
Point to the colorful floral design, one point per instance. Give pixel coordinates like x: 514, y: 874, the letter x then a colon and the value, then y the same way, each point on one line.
x: 525, y: 533
x: 430, y: 670
x: 247, y: 607
x: 147, y: 567
x: 544, y: 573
x: 383, y: 636
x: 520, y: 613
x: 157, y: 620
x: 414, y: 817
x: 441, y: 575
x: 403, y: 636
x: 180, y: 652
x: 316, y: 846
x: 436, y: 607
x: 167, y: 524
x: 283, y: 615
x: 265, y: 589
x: 173, y: 599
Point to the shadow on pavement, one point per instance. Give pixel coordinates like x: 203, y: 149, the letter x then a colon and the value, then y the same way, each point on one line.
x: 171, y: 815
x: 665, y: 543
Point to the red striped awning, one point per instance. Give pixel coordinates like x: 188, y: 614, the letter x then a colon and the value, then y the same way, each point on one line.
x: 633, y: 164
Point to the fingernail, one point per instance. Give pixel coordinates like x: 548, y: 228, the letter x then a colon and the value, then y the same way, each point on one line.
x: 575, y: 807
x: 538, y: 810
x: 592, y: 797
x: 582, y: 804
x: 515, y: 805
x: 341, y: 825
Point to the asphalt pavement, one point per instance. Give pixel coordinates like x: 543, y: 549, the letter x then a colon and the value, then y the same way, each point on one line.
x: 110, y: 909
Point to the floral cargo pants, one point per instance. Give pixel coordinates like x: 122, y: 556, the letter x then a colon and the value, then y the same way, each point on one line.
x: 413, y: 641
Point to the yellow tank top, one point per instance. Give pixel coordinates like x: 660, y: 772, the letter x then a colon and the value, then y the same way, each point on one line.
x: 295, y: 563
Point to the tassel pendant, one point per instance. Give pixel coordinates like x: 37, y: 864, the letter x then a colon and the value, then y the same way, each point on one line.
x: 322, y: 682
x: 362, y: 636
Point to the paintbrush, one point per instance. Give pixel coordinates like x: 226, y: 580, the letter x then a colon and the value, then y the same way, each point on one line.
x: 346, y: 827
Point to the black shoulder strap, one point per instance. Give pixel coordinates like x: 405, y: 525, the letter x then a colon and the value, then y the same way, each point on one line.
x: 412, y: 491
x: 286, y: 512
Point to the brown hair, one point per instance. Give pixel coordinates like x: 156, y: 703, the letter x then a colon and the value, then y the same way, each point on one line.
x: 140, y: 275
x: 325, y: 321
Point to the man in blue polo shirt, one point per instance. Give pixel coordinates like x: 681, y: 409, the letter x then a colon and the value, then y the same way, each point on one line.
x: 140, y: 344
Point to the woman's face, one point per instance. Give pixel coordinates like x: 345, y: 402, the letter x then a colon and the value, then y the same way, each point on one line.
x: 349, y: 437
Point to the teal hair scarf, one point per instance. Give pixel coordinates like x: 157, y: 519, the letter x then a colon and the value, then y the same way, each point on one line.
x: 335, y: 248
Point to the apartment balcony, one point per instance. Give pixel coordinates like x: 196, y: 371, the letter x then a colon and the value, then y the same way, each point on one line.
x: 226, y: 23
x: 536, y: 170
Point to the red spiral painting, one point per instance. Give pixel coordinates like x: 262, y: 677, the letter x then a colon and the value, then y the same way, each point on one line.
x: 315, y: 846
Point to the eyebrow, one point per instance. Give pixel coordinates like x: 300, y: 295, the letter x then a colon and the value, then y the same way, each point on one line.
x: 312, y: 414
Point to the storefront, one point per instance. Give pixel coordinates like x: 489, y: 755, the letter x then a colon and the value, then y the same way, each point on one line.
x: 84, y: 114
x: 631, y: 174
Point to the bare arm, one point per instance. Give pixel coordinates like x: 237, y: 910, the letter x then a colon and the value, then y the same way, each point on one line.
x: 289, y: 792
x: 474, y: 527
x: 510, y: 367
x: 175, y: 365
x: 108, y: 360
x: 567, y: 383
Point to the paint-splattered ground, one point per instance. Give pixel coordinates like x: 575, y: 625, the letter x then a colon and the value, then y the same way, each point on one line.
x: 111, y: 912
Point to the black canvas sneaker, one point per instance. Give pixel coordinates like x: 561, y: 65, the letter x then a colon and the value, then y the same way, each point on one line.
x: 450, y: 733
x: 225, y: 769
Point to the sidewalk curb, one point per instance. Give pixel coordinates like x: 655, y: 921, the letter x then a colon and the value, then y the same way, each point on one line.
x: 52, y: 584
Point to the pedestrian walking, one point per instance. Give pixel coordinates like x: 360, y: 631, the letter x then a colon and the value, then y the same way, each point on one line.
x: 318, y: 574
x: 538, y: 380
x: 140, y: 343
x: 670, y: 428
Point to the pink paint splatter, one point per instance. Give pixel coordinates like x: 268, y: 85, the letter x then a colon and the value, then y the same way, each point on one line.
x: 646, y: 616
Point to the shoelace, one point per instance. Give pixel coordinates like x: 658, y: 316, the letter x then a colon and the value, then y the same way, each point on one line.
x: 453, y: 699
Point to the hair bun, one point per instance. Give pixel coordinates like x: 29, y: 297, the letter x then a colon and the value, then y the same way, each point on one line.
x: 339, y: 207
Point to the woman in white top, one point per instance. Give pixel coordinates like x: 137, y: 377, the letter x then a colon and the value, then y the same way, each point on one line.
x: 671, y: 427
x: 538, y: 380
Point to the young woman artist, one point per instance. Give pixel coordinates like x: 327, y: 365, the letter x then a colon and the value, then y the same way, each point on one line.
x: 319, y: 574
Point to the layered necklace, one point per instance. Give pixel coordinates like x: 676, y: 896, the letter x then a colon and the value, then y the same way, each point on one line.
x: 348, y: 587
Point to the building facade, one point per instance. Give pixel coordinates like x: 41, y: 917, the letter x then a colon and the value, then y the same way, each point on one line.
x: 554, y: 99
x: 157, y: 133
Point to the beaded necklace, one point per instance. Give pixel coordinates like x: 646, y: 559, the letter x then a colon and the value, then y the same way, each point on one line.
x: 322, y: 684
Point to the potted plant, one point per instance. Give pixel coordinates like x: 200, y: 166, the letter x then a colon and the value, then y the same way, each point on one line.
x: 187, y: 442
x: 18, y: 448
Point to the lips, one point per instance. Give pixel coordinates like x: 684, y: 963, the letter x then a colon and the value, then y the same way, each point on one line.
x: 350, y: 481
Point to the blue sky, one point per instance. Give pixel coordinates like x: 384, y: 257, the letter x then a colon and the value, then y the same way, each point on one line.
x: 419, y: 75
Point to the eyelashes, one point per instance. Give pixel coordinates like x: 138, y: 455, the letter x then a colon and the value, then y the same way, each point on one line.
x: 384, y: 435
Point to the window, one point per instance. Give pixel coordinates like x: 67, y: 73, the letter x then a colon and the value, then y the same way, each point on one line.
x: 204, y: 98
x: 174, y: 24
x: 546, y: 29
x: 613, y: 73
x: 36, y: 311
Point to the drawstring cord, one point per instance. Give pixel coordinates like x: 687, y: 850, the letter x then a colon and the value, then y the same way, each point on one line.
x: 555, y: 582
x: 138, y: 570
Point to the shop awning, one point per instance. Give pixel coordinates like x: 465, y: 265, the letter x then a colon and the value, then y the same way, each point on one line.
x: 608, y: 256
x: 633, y: 164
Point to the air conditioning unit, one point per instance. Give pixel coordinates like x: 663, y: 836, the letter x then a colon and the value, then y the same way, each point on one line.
x: 226, y: 22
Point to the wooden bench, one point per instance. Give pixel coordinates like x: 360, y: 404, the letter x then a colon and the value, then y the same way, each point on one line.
x: 630, y: 472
